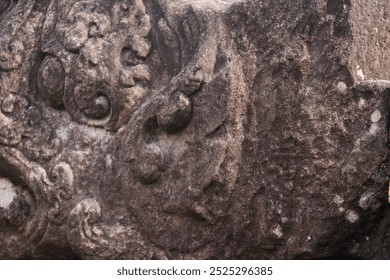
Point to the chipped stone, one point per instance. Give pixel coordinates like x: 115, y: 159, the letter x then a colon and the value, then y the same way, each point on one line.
x: 352, y: 216
x: 338, y: 200
x: 278, y: 231
x: 342, y: 87
x: 360, y: 74
x: 376, y: 116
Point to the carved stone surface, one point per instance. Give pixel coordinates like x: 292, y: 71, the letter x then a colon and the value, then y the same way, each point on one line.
x: 158, y: 129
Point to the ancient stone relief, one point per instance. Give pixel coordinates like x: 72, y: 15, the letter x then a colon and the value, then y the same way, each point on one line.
x: 149, y: 129
x: 95, y: 60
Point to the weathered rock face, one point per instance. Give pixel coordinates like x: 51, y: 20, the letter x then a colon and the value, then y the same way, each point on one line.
x: 222, y: 129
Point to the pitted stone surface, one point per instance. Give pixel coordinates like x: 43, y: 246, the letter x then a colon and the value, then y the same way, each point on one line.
x: 190, y: 129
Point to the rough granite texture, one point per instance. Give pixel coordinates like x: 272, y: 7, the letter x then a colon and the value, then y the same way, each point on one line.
x: 194, y: 129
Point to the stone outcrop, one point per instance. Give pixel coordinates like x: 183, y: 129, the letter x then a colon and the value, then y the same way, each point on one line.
x: 158, y: 129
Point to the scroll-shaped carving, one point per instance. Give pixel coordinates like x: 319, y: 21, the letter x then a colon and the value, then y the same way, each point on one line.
x: 100, y: 60
x: 59, y: 188
x: 94, y: 240
x: 43, y: 195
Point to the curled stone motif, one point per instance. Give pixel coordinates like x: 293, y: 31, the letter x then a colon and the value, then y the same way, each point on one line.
x: 59, y: 189
x: 90, y: 238
x: 34, y: 197
x: 176, y: 113
x: 103, y: 54
x: 107, y: 242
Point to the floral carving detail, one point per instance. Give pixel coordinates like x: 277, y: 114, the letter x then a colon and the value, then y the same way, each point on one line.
x: 103, y: 53
x: 46, y: 193
x: 102, y: 241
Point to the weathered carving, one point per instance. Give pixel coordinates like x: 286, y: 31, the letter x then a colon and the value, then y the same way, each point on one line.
x: 103, y: 52
x: 135, y: 129
x: 11, y: 45
x: 175, y: 113
x: 106, y: 242
x: 38, y: 199
x: 51, y: 81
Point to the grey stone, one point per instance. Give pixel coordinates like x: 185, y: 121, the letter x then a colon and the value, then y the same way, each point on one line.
x: 194, y: 129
